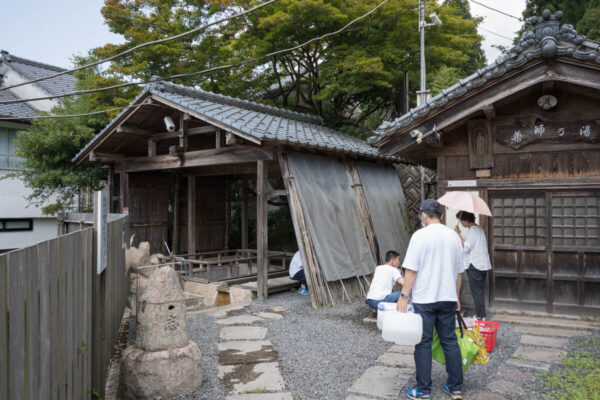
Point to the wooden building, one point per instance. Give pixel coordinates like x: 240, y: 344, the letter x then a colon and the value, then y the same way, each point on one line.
x: 524, y: 132
x: 173, y: 153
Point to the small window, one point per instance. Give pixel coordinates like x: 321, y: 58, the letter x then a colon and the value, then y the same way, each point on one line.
x: 16, y: 225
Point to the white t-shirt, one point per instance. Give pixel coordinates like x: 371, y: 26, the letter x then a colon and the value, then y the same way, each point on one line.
x: 295, y: 264
x: 436, y: 253
x: 383, y: 281
x: 476, y: 250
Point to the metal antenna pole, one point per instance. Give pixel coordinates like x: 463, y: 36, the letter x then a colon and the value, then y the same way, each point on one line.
x: 423, y: 91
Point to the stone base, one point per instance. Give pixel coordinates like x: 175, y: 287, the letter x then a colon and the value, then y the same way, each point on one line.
x: 162, y: 374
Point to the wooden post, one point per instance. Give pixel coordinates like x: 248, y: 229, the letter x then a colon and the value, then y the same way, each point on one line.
x: 218, y: 140
x: 191, y: 215
x: 151, y: 148
x: 111, y: 189
x: 124, y: 191
x: 175, y: 244
x: 261, y: 229
x: 245, y: 213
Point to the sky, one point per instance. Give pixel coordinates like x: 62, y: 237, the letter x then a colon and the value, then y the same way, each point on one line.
x: 53, y: 31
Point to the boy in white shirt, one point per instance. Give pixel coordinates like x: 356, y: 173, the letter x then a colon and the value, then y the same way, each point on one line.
x: 383, y: 281
x: 297, y: 273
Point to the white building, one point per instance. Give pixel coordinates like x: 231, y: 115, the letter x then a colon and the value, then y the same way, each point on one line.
x: 22, y: 225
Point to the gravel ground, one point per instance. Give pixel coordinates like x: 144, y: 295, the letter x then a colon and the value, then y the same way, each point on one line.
x: 323, y: 352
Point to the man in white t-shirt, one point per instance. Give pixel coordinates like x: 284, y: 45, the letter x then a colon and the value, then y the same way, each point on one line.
x: 297, y: 273
x: 434, y: 264
x: 384, y: 279
x: 476, y: 259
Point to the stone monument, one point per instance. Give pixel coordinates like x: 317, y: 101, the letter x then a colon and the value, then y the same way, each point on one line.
x: 163, y: 363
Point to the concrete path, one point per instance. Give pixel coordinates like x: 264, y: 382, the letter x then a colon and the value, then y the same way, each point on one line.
x: 248, y: 366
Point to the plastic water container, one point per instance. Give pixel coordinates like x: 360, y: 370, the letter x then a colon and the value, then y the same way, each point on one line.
x: 402, y: 328
x: 383, y: 307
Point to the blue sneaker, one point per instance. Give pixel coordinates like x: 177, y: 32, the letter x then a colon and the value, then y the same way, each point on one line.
x: 303, y: 291
x: 414, y: 394
x: 454, y: 394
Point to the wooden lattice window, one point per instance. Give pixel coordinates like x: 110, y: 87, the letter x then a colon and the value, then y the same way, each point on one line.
x: 576, y: 220
x: 519, y: 220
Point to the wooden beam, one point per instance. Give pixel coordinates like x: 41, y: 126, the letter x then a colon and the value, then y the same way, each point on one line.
x: 191, y: 181
x: 274, y: 193
x: 244, y: 213
x: 262, y: 242
x: 201, y: 130
x: 183, y: 140
x: 95, y: 156
x: 175, y: 236
x: 489, y: 111
x: 130, y: 130
x: 218, y: 140
x: 199, y: 158
x: 111, y: 189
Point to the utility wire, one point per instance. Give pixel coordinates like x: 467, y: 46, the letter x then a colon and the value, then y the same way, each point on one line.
x: 213, y: 69
x: 142, y: 45
x: 494, y: 33
x: 75, y: 115
x: 496, y: 10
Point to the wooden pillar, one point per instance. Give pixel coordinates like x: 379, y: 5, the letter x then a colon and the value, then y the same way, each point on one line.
x: 175, y: 244
x: 191, y: 215
x: 111, y: 188
x: 261, y: 228
x: 244, y: 213
x: 124, y: 191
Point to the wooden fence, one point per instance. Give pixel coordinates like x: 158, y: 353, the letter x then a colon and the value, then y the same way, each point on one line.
x: 58, y: 319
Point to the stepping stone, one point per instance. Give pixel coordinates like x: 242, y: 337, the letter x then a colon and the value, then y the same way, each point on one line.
x: 262, y: 396
x: 243, y: 333
x: 358, y: 397
x: 370, y: 320
x: 515, y: 375
x: 551, y: 332
x: 529, y: 364
x: 245, y: 378
x: 222, y: 311
x: 542, y: 354
x: 485, y: 396
x: 397, y: 360
x: 269, y: 315
x: 244, y: 352
x: 279, y: 309
x: 381, y: 381
x: 505, y: 387
x: 558, y: 343
x: 239, y: 320
x: 543, y: 321
x: 402, y: 349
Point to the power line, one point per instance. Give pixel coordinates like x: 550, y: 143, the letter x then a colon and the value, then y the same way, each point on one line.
x: 75, y: 115
x: 496, y: 10
x: 142, y: 45
x: 494, y: 33
x: 213, y: 69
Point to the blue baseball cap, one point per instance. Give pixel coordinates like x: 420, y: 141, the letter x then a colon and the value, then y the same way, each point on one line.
x: 430, y: 205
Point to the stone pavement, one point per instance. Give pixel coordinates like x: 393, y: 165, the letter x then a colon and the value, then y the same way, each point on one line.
x: 248, y: 366
x: 542, y: 344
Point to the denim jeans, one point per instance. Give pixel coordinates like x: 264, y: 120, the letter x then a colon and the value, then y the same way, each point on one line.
x: 390, y: 298
x: 299, y: 276
x: 440, y: 315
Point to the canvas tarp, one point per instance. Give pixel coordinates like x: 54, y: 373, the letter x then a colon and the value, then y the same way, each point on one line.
x: 333, y: 221
x: 387, y: 206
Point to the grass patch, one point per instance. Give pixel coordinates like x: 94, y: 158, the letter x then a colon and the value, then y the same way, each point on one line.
x: 257, y: 390
x: 579, y: 379
x: 518, y: 357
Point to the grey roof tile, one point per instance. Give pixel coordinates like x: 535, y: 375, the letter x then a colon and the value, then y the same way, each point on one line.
x: 21, y: 110
x: 32, y: 70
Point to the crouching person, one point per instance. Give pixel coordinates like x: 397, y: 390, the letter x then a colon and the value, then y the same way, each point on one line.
x: 383, y: 281
x: 297, y: 273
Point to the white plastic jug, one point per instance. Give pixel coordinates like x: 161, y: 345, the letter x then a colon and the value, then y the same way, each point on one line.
x: 402, y: 328
x: 381, y: 310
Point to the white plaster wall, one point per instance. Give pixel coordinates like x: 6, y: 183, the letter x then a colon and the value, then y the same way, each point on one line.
x: 11, y: 77
x: 43, y: 229
x: 12, y: 199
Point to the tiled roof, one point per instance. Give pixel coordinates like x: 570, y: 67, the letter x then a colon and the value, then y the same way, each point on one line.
x: 257, y: 120
x: 547, y: 39
x: 33, y: 70
x: 21, y: 110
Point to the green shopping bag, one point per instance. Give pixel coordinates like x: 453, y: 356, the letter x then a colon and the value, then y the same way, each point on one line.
x: 468, y: 348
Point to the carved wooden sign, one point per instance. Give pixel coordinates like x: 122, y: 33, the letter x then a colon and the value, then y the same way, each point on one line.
x: 525, y: 131
x: 480, y: 144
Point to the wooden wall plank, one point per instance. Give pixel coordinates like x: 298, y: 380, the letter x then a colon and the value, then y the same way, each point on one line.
x: 46, y: 355
x: 262, y: 235
x: 88, y: 271
x: 63, y: 356
x: 33, y: 329
x: 16, y: 328
x: 53, y: 316
x: 3, y: 328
